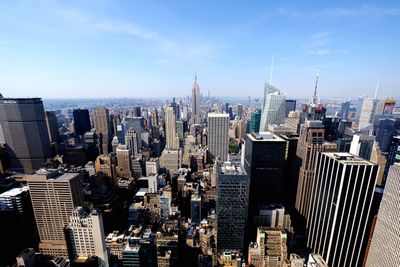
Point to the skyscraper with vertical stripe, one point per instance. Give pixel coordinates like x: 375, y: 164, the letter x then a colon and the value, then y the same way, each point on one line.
x: 341, y: 198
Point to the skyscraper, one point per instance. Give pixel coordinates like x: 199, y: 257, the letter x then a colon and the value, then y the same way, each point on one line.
x: 370, y: 108
x: 170, y: 129
x: 264, y: 162
x: 290, y: 105
x: 255, y: 120
x: 81, y: 121
x: 311, y: 141
x: 85, y: 235
x: 124, y: 161
x: 23, y: 129
x: 52, y: 126
x: 132, y: 141
x: 232, y: 204
x: 101, y: 122
x: 384, y: 250
x: 273, y: 108
x: 195, y: 102
x: 218, y: 126
x: 54, y: 196
x: 340, y: 204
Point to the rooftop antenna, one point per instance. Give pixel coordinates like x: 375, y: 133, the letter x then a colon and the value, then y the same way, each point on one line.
x: 376, y: 90
x: 271, y: 69
x: 315, y: 98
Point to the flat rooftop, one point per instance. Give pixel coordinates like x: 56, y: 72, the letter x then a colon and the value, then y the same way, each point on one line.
x: 347, y: 158
x: 14, y: 192
x: 264, y: 137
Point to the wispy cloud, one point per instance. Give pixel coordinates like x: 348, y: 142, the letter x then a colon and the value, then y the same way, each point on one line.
x: 362, y: 11
x: 170, y: 47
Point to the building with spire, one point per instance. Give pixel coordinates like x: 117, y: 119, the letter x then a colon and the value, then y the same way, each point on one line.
x: 195, y: 102
x: 313, y: 110
x: 273, y: 111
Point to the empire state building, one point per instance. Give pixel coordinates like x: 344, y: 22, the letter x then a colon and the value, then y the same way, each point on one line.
x: 195, y: 102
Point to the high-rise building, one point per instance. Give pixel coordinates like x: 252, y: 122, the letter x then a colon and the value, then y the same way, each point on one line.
x: 170, y: 130
x: 255, y: 120
x: 370, y: 108
x: 340, y: 204
x: 81, y: 121
x: 23, y: 129
x: 362, y: 145
x: 52, y: 126
x: 290, y: 105
x: 264, y: 162
x: 137, y: 111
x: 218, y: 126
x: 54, y: 196
x: 384, y: 249
x: 311, y: 141
x: 232, y: 204
x: 385, y: 128
x: 101, y: 122
x: 240, y: 111
x: 124, y: 160
x: 195, y: 208
x: 392, y: 156
x: 273, y: 108
x: 85, y: 235
x: 154, y: 117
x: 270, y: 249
x: 344, y: 110
x: 196, y: 102
x: 132, y: 141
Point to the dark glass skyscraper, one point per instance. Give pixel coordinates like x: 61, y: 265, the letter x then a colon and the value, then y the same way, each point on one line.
x: 255, y: 121
x: 81, y: 121
x: 23, y: 128
x: 290, y: 105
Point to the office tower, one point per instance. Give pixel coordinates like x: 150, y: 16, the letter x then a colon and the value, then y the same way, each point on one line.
x: 340, y: 203
x: 132, y: 141
x: 390, y: 103
x: 101, y: 122
x: 362, y: 145
x: 255, y: 120
x: 52, y: 126
x: 81, y: 121
x: 385, y: 129
x: 171, y: 159
x: 264, y: 162
x: 137, y: 123
x: 124, y: 160
x: 270, y: 249
x: 392, y: 156
x: 384, y: 249
x: 170, y: 130
x: 107, y: 165
x: 290, y: 105
x: 195, y: 208
x: 120, y: 133
x: 231, y: 206
x: 344, y: 110
x: 152, y: 183
x: 196, y: 115
x: 54, y: 196
x: 370, y: 108
x: 273, y: 108
x: 359, y: 104
x: 311, y: 141
x: 218, y: 126
x: 331, y: 128
x: 152, y: 166
x: 85, y: 235
x: 154, y: 117
x: 230, y: 112
x: 16, y: 225
x: 137, y: 111
x: 23, y: 129
x: 240, y: 111
x: 114, y: 144
x: 184, y: 114
x: 180, y: 130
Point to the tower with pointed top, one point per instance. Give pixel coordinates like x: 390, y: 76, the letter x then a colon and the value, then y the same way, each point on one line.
x: 195, y: 101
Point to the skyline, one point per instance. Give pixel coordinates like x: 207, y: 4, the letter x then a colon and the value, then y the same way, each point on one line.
x: 91, y: 49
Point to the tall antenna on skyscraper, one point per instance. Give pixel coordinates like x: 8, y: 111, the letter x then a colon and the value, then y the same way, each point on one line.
x: 315, y: 99
x: 271, y: 69
x: 376, y: 90
x: 195, y: 76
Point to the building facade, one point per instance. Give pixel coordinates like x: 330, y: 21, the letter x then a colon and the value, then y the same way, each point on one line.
x: 218, y: 140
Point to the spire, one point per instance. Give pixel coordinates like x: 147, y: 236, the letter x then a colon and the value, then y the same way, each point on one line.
x: 376, y: 90
x: 195, y: 77
x: 315, y: 98
x: 271, y: 69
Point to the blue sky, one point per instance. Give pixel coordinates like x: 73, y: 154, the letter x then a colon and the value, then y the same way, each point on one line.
x: 97, y: 48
